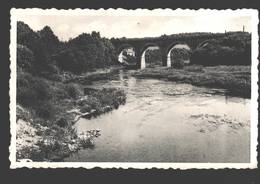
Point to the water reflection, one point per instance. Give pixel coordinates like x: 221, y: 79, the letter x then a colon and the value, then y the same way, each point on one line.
x: 236, y: 100
x: 164, y: 121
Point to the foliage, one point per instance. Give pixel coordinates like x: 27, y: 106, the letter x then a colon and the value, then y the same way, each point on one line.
x: 234, y: 49
x: 179, y: 56
x: 42, y: 43
x: 74, y: 90
x: 178, y: 64
x: 153, y: 56
x: 71, y: 60
x: 106, y: 97
x: 86, y: 52
x: 62, y: 122
x: 25, y: 58
x: 197, y: 35
x: 130, y: 59
x: 42, y: 51
x: 31, y: 89
x: 236, y: 79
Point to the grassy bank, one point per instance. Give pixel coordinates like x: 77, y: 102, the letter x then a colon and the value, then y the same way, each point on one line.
x: 88, y: 77
x: 236, y: 79
x: 47, y: 111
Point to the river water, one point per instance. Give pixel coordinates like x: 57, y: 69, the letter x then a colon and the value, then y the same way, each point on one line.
x: 164, y: 121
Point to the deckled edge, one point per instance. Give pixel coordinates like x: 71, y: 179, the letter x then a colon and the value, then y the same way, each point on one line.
x: 12, y: 87
x: 110, y: 12
x: 254, y: 88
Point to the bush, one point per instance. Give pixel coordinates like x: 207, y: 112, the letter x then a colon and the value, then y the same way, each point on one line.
x: 53, y: 77
x: 74, y: 90
x: 62, y: 122
x: 94, y: 103
x: 108, y: 97
x: 44, y: 111
x: 25, y: 58
x: 194, y: 68
x: 31, y: 90
x: 85, y: 109
x: 179, y: 64
x: 232, y: 50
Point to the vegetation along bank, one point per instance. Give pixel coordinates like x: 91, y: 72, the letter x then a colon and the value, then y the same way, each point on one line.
x: 50, y: 100
x: 52, y: 76
x: 222, y: 63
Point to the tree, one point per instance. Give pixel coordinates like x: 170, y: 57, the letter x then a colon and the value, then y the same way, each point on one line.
x: 43, y: 44
x: 25, y: 58
x: 71, y: 60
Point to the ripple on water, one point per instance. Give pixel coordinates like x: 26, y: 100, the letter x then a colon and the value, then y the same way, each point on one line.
x: 170, y: 122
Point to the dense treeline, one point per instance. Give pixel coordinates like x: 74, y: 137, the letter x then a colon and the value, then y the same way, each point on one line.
x: 233, y: 49
x: 40, y: 52
x: 196, y: 35
x: 42, y: 58
x: 45, y: 94
x: 85, y: 52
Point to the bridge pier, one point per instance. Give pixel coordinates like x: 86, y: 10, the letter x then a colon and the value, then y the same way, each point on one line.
x: 164, y: 60
x: 138, y: 60
x: 169, y: 62
x: 142, y: 62
x: 120, y: 58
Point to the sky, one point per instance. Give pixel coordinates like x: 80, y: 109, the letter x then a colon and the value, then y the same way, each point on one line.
x: 131, y: 24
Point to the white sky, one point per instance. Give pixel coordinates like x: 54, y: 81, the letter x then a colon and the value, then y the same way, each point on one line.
x: 135, y: 24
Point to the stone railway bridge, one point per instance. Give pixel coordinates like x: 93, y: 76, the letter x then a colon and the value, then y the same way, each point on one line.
x: 165, y: 44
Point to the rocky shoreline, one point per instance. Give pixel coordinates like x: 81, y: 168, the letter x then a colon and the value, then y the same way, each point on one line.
x: 35, y: 142
x: 27, y: 138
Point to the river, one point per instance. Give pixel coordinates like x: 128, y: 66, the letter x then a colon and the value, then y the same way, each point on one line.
x: 164, y: 121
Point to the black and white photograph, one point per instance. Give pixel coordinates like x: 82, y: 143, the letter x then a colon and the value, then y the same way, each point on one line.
x: 138, y: 88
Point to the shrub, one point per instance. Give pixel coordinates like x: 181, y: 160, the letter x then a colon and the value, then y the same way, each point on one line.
x: 74, y: 90
x: 25, y: 58
x: 93, y: 102
x: 30, y: 153
x: 62, y: 122
x: 82, y: 103
x: 31, y: 89
x: 86, y: 108
x: 44, y: 110
x: 194, y: 68
x: 87, y: 143
x: 232, y: 50
x: 51, y: 76
x: 179, y: 64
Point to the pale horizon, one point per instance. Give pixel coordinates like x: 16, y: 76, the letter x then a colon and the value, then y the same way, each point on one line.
x: 140, y: 25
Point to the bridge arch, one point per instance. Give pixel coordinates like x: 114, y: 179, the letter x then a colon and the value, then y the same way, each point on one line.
x: 202, y: 44
x: 165, y: 43
x: 121, y: 49
x: 171, y: 47
x: 143, y: 50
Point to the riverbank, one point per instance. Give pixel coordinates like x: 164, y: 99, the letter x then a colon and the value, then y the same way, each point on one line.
x: 236, y: 79
x: 88, y: 77
x: 160, y: 120
x: 47, y: 111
